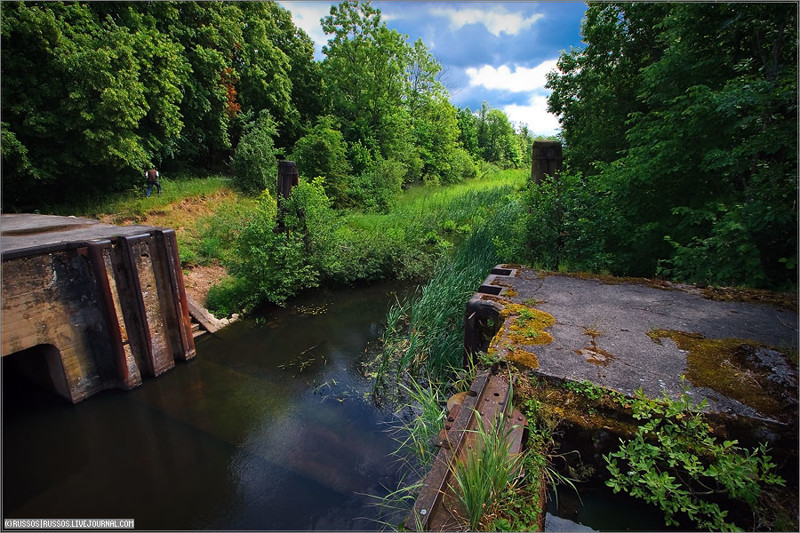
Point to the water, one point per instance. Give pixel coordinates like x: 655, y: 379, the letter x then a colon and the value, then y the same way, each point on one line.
x: 598, y: 509
x: 268, y: 428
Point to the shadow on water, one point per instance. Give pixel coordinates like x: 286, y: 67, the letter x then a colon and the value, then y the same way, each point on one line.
x: 269, y: 427
x: 598, y: 509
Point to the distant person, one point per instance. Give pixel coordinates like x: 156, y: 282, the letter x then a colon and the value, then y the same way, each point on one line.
x: 152, y: 179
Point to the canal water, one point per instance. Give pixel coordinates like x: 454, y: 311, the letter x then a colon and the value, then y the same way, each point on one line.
x: 269, y: 427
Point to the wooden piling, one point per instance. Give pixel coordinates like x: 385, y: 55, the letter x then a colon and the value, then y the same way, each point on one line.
x: 547, y: 159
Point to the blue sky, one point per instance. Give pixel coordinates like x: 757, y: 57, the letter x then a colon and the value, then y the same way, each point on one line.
x: 493, y: 51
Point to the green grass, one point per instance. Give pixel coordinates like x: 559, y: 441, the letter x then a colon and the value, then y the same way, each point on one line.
x: 487, y: 471
x: 429, y: 208
x: 433, y: 337
x: 132, y: 203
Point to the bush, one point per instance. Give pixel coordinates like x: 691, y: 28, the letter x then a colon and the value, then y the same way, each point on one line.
x: 461, y: 167
x: 255, y: 164
x: 276, y: 265
x: 323, y: 152
x: 377, y: 188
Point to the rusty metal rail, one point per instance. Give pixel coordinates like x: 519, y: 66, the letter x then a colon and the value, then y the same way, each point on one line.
x: 436, y: 508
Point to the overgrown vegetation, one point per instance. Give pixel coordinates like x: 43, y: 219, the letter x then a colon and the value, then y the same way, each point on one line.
x: 322, y: 245
x: 680, y: 124
x: 675, y: 462
x: 94, y: 93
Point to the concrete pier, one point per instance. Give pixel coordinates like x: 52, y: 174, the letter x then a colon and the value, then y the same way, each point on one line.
x: 88, y: 306
x: 626, y: 334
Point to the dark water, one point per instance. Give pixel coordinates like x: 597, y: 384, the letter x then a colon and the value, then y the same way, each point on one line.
x: 268, y: 428
x: 599, y: 509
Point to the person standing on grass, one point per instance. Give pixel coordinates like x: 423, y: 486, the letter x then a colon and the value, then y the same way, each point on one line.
x: 152, y: 179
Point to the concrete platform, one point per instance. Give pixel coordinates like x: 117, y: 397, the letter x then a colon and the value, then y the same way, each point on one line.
x: 626, y: 335
x: 31, y: 233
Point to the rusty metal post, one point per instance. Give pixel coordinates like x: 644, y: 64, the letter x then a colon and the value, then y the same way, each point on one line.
x: 288, y: 178
x: 547, y: 159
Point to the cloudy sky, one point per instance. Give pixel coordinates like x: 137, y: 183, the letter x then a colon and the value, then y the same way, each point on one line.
x: 493, y: 51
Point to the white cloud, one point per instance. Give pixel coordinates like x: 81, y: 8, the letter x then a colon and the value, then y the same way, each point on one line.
x: 497, y: 20
x: 535, y: 115
x: 306, y: 15
x: 520, y: 80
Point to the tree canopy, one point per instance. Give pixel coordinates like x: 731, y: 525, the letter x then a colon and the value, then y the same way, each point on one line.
x: 682, y: 120
x: 92, y: 92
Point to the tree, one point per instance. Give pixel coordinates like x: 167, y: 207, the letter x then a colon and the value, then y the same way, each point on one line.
x: 323, y: 152
x: 683, y: 119
x: 496, y: 140
x: 468, y: 131
x: 596, y: 87
x: 88, y: 97
x: 255, y: 164
x: 365, y: 65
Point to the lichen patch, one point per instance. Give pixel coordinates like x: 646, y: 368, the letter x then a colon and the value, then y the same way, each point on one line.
x: 522, y: 326
x: 745, y: 370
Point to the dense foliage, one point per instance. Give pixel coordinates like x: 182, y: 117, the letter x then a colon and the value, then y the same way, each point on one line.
x: 94, y: 92
x: 680, y: 122
x: 675, y: 462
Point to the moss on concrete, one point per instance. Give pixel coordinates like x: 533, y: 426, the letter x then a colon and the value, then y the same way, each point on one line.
x: 727, y: 366
x: 522, y: 326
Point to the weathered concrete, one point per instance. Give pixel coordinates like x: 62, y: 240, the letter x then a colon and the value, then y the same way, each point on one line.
x: 601, y: 332
x: 107, y: 302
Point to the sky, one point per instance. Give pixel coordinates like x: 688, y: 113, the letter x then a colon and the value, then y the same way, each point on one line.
x: 498, y: 52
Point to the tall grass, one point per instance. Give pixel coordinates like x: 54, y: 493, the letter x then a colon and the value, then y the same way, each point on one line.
x: 433, y: 338
x: 487, y: 470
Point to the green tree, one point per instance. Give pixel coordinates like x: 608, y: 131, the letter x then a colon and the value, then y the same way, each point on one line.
x: 468, y: 131
x: 433, y: 118
x: 323, y: 152
x: 209, y: 32
x: 496, y: 139
x: 596, y: 87
x: 364, y: 68
x: 683, y: 117
x: 90, y: 98
x: 255, y: 162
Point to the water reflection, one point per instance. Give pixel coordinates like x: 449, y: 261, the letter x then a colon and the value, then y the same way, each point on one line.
x: 267, y: 428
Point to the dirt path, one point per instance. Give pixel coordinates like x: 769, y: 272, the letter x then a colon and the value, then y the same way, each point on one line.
x: 198, y: 280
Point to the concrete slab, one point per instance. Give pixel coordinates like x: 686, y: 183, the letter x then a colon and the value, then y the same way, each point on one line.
x: 601, y: 335
x: 25, y: 233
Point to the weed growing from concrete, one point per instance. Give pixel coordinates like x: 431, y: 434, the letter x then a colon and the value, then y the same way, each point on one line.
x: 486, y: 472
x: 675, y: 462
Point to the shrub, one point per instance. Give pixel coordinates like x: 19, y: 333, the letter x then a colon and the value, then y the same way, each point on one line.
x: 377, y: 188
x: 255, y: 164
x: 276, y: 265
x: 462, y: 167
x: 323, y: 152
x: 675, y: 462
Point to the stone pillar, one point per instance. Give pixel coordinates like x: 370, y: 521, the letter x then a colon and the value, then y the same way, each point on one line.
x: 547, y: 159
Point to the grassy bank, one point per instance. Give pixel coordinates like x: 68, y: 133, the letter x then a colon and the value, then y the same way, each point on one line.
x: 323, y: 246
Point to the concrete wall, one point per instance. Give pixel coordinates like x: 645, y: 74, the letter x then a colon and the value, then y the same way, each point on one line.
x: 113, y: 308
